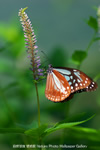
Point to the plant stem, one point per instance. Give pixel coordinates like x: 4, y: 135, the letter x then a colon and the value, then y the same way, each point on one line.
x: 38, y: 104
x: 91, y: 42
x: 87, y: 49
x: 78, y: 66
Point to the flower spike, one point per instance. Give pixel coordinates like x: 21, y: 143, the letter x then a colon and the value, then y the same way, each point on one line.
x: 30, y: 42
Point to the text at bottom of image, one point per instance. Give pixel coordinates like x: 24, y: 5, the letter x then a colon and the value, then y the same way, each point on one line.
x: 50, y: 146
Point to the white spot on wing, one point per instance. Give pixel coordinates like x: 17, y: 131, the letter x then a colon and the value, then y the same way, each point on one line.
x: 71, y: 87
x: 71, y: 77
x: 76, y: 84
x: 70, y: 83
x: 74, y: 81
x: 78, y: 80
x: 67, y: 78
x: 80, y: 84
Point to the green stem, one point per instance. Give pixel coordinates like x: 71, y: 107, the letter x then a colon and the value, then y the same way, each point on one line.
x: 78, y: 66
x: 38, y: 104
x: 91, y: 42
x: 38, y: 109
x: 87, y: 49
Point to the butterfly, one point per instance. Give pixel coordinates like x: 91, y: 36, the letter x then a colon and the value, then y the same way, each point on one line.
x: 62, y: 83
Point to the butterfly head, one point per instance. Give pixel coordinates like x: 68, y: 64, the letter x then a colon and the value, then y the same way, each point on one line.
x: 50, y: 68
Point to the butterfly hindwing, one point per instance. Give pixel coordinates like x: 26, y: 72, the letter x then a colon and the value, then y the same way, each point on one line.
x: 57, y: 87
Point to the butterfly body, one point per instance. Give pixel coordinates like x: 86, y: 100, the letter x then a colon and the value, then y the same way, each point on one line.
x: 63, y: 82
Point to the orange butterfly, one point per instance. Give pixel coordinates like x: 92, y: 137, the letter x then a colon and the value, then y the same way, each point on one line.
x: 62, y: 83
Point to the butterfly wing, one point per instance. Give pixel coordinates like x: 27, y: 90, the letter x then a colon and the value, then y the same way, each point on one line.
x: 77, y: 80
x: 57, y: 87
x: 68, y: 98
x: 91, y: 87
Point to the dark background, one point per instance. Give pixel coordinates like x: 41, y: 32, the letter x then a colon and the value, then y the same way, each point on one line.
x: 60, y: 29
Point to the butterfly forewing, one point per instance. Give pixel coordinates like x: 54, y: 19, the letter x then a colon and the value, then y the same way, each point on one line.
x: 91, y: 87
x: 77, y: 79
x: 57, y: 87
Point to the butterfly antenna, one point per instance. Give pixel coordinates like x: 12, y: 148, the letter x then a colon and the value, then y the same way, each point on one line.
x: 47, y: 58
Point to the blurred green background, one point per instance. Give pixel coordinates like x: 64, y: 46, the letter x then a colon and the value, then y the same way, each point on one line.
x: 60, y: 29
